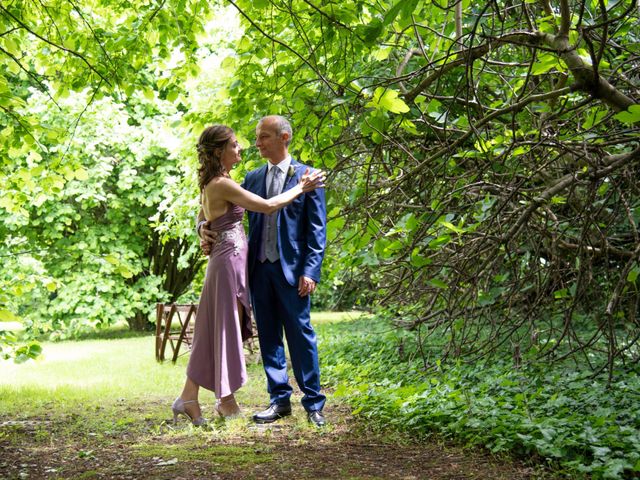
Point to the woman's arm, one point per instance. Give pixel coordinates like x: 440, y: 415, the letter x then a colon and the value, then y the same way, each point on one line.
x: 230, y: 191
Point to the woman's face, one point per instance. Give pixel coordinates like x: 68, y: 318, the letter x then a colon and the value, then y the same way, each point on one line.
x: 231, y: 153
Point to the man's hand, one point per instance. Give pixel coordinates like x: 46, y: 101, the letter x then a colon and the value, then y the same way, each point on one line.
x: 306, y: 286
x: 206, y: 239
x: 205, y: 247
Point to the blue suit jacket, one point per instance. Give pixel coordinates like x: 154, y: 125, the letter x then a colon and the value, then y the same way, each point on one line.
x: 302, y: 227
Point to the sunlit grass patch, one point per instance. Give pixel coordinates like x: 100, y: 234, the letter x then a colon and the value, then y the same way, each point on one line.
x: 118, y: 366
x: 322, y: 317
x: 101, y: 377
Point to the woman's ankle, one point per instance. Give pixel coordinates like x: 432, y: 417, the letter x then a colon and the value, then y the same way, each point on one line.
x: 228, y: 399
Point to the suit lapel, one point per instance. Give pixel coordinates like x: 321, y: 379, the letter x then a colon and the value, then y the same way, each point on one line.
x: 262, y: 182
x: 290, y: 182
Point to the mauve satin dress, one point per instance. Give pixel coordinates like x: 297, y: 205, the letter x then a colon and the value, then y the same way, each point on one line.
x: 217, y: 356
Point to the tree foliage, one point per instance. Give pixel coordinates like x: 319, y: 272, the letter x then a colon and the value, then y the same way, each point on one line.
x: 98, y: 226
x: 85, y: 89
x: 484, y: 160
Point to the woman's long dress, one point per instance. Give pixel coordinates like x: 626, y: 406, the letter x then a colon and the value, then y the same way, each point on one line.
x: 217, y: 356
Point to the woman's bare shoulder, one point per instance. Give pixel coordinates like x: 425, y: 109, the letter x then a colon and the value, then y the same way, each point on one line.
x: 219, y: 182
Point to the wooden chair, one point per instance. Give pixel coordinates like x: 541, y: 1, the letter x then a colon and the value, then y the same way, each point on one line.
x: 174, y: 327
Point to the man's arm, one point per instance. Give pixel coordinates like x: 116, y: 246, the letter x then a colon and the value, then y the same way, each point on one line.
x: 200, y: 221
x: 203, y: 233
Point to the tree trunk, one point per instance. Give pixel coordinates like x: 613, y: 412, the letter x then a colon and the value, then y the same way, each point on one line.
x: 140, y: 322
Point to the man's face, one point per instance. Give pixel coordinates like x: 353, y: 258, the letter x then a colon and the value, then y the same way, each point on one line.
x: 271, y: 145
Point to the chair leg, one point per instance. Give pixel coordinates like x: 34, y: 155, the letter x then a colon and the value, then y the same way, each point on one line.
x: 167, y: 331
x: 159, y: 314
x: 181, y: 337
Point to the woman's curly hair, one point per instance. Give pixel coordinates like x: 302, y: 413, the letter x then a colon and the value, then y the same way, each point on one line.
x: 210, y: 147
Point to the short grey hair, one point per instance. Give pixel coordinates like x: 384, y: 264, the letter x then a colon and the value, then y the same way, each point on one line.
x: 282, y: 125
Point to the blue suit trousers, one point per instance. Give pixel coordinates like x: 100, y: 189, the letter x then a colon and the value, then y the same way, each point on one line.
x: 280, y: 310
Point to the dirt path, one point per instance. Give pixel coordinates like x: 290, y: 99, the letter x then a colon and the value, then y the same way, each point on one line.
x: 127, y: 441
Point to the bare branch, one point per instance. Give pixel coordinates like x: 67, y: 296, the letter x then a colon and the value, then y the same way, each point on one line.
x: 612, y: 163
x: 565, y: 19
x: 468, y: 56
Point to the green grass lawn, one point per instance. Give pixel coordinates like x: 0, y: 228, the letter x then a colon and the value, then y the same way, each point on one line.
x: 99, y: 372
x: 81, y: 374
x: 120, y: 380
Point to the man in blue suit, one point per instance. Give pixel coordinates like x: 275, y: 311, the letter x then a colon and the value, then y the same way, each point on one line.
x: 285, y: 255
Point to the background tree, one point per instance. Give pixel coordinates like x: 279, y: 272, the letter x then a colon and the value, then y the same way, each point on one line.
x: 87, y: 51
x: 98, y: 226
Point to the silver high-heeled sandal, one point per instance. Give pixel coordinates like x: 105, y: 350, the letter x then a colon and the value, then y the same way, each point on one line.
x: 178, y: 409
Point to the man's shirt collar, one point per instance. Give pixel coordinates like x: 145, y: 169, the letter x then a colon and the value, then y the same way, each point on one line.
x: 283, y: 165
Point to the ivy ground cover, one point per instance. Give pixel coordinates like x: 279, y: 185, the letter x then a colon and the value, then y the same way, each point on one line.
x: 556, y: 414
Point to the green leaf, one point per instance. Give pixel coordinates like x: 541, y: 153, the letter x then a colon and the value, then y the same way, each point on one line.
x: 409, y: 126
x: 562, y: 293
x: 393, y: 246
x: 7, y: 316
x: 125, y: 272
x: 387, y: 99
x: 410, y: 222
x: 594, y: 117
x: 632, y: 276
x: 615, y: 468
x: 631, y: 115
x: 604, y: 188
x: 153, y: 36
x: 418, y: 260
x: 35, y: 349
x: 436, y: 282
x: 382, y: 53
x: 112, y: 259
x: 408, y: 7
x: 81, y: 174
x: 439, y: 241
x: 372, y: 32
x: 392, y: 13
x: 11, y: 45
x: 173, y: 95
x: 546, y: 62
x: 451, y: 227
x: 229, y: 63
x: 21, y: 358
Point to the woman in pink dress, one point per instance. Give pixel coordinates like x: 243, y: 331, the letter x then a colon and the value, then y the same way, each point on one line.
x: 223, y: 320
